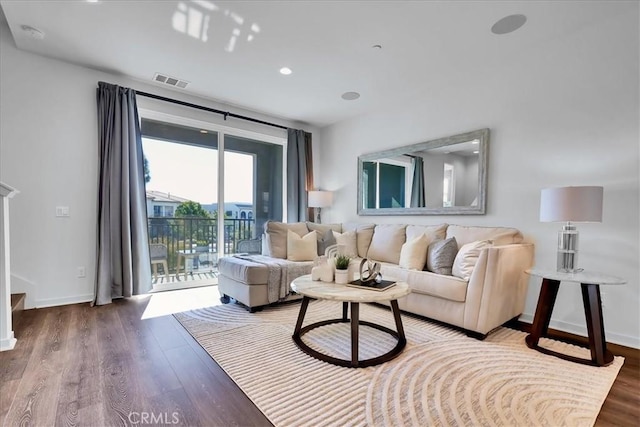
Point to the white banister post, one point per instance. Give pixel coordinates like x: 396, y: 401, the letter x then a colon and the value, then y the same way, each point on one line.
x: 7, y: 340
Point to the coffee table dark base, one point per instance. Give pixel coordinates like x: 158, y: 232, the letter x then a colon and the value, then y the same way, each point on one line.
x: 600, y: 356
x: 355, y: 323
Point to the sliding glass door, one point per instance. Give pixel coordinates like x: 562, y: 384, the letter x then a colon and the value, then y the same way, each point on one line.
x: 209, y: 192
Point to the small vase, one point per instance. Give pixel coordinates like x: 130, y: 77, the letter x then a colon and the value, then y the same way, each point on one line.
x: 326, y: 273
x: 342, y: 277
x: 352, y: 272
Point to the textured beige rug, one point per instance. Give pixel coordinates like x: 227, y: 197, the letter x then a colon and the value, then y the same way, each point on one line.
x: 442, y: 378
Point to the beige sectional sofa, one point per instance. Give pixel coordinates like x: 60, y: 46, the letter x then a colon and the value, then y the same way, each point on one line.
x: 487, y: 286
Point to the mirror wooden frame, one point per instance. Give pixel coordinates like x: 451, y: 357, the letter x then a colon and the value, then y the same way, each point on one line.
x: 482, y: 135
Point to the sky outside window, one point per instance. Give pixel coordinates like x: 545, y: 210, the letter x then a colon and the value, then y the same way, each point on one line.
x: 192, y: 172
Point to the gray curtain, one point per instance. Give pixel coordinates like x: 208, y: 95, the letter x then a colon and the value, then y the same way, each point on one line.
x: 417, y: 185
x: 299, y: 174
x: 123, y: 267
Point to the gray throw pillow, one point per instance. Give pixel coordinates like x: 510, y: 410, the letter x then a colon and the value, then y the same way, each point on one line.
x: 325, y: 240
x: 440, y: 256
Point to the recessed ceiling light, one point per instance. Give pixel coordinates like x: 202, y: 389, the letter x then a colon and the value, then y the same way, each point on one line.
x: 475, y: 141
x: 285, y: 71
x: 476, y: 152
x: 350, y: 96
x: 508, y: 24
x: 32, y: 32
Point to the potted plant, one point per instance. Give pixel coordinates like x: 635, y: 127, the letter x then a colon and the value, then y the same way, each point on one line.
x: 342, y: 269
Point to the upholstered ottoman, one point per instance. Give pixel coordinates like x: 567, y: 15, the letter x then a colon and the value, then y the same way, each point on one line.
x: 247, y: 280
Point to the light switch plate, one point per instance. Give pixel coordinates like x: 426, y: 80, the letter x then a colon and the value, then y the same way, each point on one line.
x: 62, y: 211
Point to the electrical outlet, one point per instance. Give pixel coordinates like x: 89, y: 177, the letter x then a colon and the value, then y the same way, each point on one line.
x: 82, y: 272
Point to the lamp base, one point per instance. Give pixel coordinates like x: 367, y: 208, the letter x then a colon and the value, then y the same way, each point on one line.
x: 568, y: 249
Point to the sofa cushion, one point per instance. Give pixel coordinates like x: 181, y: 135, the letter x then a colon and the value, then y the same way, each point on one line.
x: 277, y: 232
x: 256, y: 273
x: 386, y: 243
x: 467, y: 258
x: 346, y: 243
x: 425, y: 282
x: 364, y: 234
x: 440, y: 256
x: 413, y: 255
x: 433, y: 232
x: 302, y: 248
x: 499, y: 235
x: 322, y: 228
x: 243, y: 271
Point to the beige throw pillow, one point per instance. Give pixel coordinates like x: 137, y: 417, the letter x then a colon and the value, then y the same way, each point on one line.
x: 364, y: 233
x: 301, y: 248
x: 346, y: 243
x: 413, y: 255
x: 386, y: 243
x: 467, y: 258
x: 277, y: 232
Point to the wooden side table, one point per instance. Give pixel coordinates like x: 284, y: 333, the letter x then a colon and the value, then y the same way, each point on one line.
x: 590, y: 283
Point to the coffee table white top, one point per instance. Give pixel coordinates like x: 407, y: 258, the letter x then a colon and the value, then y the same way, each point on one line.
x: 303, y: 285
x: 588, y: 277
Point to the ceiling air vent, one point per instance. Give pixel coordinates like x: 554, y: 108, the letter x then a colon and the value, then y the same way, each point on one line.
x: 171, y: 81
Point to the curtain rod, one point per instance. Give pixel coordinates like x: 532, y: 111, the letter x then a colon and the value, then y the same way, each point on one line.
x: 211, y: 110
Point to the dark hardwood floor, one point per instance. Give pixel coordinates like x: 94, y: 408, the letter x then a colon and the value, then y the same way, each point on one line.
x: 98, y: 366
x: 78, y: 365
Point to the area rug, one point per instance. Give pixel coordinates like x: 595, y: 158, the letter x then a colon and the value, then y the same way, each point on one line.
x: 442, y: 378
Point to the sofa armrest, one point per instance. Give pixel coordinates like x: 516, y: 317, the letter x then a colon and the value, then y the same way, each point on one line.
x: 497, y: 288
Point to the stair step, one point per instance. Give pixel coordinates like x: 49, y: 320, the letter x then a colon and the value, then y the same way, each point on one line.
x: 17, y: 302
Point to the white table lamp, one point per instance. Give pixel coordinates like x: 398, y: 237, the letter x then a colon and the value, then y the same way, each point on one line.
x: 570, y: 204
x: 320, y: 199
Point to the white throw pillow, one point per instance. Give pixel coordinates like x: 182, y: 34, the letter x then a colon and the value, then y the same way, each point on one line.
x: 301, y: 248
x: 346, y: 243
x: 467, y: 258
x: 413, y: 254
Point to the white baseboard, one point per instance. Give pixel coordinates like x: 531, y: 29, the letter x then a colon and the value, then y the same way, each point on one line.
x: 52, y: 302
x: 8, y: 343
x: 612, y: 337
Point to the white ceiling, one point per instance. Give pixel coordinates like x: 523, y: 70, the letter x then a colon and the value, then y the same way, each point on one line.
x: 327, y: 44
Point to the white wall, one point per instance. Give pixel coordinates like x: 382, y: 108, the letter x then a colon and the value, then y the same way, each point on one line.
x: 49, y: 150
x: 562, y: 113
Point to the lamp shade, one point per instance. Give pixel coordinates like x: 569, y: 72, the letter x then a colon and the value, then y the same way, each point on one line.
x: 320, y: 199
x: 576, y: 204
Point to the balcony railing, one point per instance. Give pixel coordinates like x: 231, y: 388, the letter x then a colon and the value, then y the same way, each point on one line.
x: 198, y: 235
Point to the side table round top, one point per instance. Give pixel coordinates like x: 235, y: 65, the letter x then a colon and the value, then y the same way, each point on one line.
x: 588, y: 277
x: 303, y: 285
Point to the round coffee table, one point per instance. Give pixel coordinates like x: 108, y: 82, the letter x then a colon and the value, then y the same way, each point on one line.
x: 310, y: 289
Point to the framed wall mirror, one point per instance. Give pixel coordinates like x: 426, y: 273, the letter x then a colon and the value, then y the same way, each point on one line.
x: 445, y: 176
